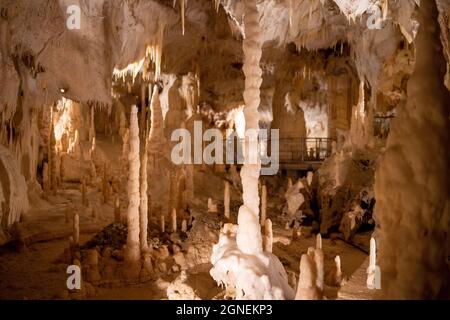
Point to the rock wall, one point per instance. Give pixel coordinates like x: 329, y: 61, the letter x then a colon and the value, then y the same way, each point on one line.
x: 412, y: 186
x: 13, y: 191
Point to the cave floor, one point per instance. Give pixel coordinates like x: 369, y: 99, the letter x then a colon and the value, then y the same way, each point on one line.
x: 35, y: 268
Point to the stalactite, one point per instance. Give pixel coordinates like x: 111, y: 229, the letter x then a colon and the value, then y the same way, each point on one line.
x: 216, y: 5
x: 133, y: 244
x: 263, y: 204
x: 156, y: 128
x: 154, y: 51
x: 143, y: 122
x: 226, y: 200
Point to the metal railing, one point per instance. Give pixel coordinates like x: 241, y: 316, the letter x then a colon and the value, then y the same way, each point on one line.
x: 291, y: 150
x: 305, y: 149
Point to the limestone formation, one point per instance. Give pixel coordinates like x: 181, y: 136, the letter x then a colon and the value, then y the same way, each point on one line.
x: 226, y: 200
x: 132, y: 254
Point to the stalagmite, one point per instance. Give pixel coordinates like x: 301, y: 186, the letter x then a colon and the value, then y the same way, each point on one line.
x: 309, y: 177
x: 76, y: 229
x: 319, y: 241
x: 184, y: 226
x: 268, y: 236
x: 263, y: 204
x: 248, y: 235
x: 306, y: 287
x: 212, y: 206
x: 373, y: 271
x: 226, y: 200
x: 174, y: 220
x: 319, y: 260
x: 295, y: 232
x: 238, y: 259
x: 132, y: 253
x: 337, y: 276
x: 412, y: 189
x: 143, y: 206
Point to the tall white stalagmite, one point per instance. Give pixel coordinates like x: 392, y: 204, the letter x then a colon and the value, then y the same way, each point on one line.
x: 143, y: 205
x: 133, y: 249
x: 337, y: 271
x: 238, y: 258
x: 373, y: 271
x: 318, y: 259
x: 226, y: 199
x: 263, y: 204
x: 411, y: 184
x: 248, y: 235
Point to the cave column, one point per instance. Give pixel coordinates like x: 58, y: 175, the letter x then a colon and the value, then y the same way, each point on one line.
x: 248, y: 235
x: 411, y: 183
x: 132, y: 254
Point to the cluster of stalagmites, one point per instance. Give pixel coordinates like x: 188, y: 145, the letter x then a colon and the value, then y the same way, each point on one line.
x: 103, y: 259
